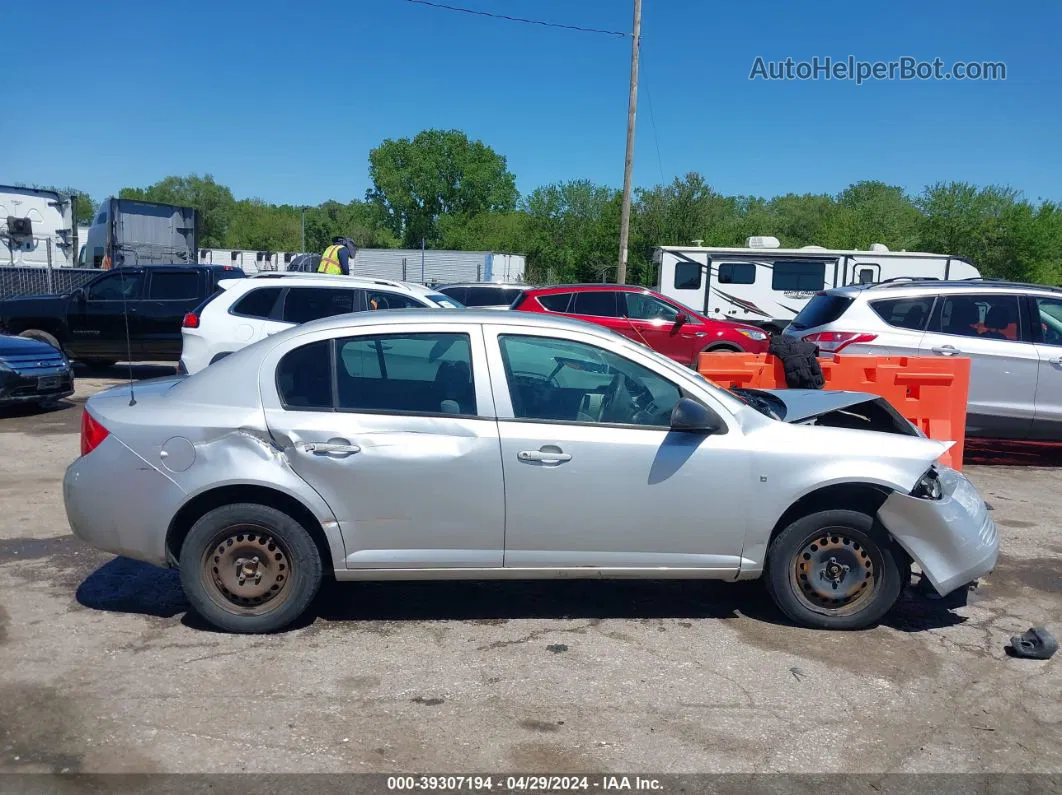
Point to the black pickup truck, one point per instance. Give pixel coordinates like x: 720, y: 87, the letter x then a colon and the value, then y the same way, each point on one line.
x: 90, y: 323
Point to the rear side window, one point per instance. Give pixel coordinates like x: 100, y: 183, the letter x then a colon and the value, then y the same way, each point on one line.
x: 908, y: 313
x: 556, y: 303
x: 821, y: 309
x: 258, y: 303
x: 596, y: 303
x: 798, y: 276
x: 992, y: 317
x: 304, y: 377
x: 457, y: 293
x: 304, y: 304
x: 173, y: 286
x: 406, y: 373
x: 687, y: 276
x: 738, y: 273
x: 490, y: 296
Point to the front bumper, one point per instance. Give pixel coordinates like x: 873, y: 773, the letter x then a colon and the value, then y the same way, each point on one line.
x: 118, y: 502
x: 18, y: 388
x: 953, y: 540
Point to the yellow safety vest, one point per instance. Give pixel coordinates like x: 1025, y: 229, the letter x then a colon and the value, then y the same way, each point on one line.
x: 330, y: 261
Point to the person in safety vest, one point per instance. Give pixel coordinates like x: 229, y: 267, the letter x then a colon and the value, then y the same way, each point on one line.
x: 337, y: 257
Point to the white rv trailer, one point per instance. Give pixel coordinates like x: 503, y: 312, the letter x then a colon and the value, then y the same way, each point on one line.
x: 37, y: 228
x: 768, y: 285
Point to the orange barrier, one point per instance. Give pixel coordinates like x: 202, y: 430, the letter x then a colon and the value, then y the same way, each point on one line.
x: 931, y: 392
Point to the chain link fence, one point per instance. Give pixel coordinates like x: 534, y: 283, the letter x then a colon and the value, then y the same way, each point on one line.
x: 21, y: 280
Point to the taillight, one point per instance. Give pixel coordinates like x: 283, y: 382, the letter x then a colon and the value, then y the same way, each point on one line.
x: 92, y: 433
x: 836, y: 341
x: 191, y: 320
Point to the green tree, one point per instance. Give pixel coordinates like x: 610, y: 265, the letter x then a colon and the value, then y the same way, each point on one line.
x: 85, y: 207
x: 572, y: 232
x: 500, y: 232
x: 363, y: 222
x: 872, y: 212
x: 212, y: 201
x: 438, y: 172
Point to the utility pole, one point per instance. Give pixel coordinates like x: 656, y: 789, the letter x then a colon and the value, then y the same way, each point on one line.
x: 302, y: 229
x: 632, y: 107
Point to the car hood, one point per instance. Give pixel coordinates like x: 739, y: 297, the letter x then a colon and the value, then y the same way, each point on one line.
x: 21, y: 346
x: 834, y: 408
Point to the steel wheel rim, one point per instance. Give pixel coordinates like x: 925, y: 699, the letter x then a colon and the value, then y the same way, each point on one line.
x: 833, y: 573
x: 247, y: 570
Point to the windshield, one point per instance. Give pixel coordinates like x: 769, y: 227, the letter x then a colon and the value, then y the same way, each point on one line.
x: 444, y: 301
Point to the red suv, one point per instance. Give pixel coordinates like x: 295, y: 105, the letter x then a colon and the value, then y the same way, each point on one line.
x: 646, y: 317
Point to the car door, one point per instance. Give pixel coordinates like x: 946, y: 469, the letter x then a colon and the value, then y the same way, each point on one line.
x: 652, y: 322
x: 593, y: 474
x: 1047, y: 337
x: 393, y: 426
x: 986, y: 327
x: 98, y: 316
x: 171, y: 293
x: 600, y: 307
x: 303, y: 304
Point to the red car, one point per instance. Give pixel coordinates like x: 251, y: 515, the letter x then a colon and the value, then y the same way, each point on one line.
x: 646, y: 317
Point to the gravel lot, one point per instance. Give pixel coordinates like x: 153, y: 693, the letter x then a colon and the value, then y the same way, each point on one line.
x: 103, y: 671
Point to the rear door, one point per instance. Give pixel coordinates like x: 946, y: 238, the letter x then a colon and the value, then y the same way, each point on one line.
x: 1047, y: 336
x: 600, y: 307
x: 987, y: 328
x: 98, y: 322
x: 171, y: 293
x: 394, y: 428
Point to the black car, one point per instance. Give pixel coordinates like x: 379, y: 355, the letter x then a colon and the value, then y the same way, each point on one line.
x: 483, y: 295
x: 33, y: 372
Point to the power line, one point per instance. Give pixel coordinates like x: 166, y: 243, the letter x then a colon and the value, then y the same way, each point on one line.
x: 656, y: 138
x: 476, y: 12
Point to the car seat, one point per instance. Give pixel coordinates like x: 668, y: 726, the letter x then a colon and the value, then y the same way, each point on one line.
x: 964, y: 313
x: 997, y: 319
x: 454, y: 381
x: 915, y: 318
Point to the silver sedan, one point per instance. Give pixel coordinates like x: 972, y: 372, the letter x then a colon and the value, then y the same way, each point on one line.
x: 476, y: 445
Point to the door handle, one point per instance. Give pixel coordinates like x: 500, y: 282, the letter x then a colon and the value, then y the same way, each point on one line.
x: 336, y: 449
x: 544, y: 457
x: 946, y: 350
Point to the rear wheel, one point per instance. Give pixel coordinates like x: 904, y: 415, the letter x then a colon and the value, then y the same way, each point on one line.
x: 834, y: 570
x: 249, y: 568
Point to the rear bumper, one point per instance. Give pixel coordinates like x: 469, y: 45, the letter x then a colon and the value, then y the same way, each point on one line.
x: 116, y: 501
x: 953, y: 540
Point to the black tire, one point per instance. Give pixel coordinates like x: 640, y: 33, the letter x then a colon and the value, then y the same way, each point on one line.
x: 41, y: 336
x: 722, y: 348
x: 804, y: 575
x: 279, y: 547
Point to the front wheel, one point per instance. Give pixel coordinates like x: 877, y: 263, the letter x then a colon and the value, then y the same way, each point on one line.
x: 834, y: 570
x: 249, y: 568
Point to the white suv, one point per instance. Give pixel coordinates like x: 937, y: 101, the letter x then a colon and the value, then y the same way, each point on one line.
x: 1012, y: 334
x: 244, y: 311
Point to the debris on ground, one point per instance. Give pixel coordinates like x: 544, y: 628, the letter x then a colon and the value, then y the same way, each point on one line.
x: 1036, y: 644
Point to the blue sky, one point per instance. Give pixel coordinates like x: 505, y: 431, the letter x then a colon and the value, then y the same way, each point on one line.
x: 283, y: 100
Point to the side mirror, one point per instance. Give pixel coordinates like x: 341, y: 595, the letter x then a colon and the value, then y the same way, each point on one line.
x: 681, y: 318
x: 79, y: 295
x: 689, y: 415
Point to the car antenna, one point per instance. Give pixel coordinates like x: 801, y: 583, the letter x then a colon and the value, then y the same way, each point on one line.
x: 128, y: 341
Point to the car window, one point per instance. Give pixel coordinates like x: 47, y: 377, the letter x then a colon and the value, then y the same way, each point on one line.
x: 641, y: 306
x: 984, y: 316
x: 457, y: 293
x: 688, y: 275
x: 798, y: 276
x: 304, y: 377
x: 258, y: 303
x: 908, y: 313
x: 116, y: 287
x: 304, y: 304
x: 406, y: 373
x: 597, y: 303
x: 737, y: 273
x: 378, y: 299
x: 491, y: 296
x: 1050, y: 318
x: 558, y: 302
x: 821, y: 309
x: 556, y: 380
x: 445, y: 301
x: 173, y: 285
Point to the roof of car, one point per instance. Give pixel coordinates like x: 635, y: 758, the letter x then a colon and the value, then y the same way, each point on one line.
x: 587, y: 287
x: 337, y: 280
x: 500, y: 285
x: 903, y: 287
x: 462, y: 316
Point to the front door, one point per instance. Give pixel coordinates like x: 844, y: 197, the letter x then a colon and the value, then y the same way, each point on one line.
x: 593, y: 474
x: 103, y: 318
x: 395, y: 431
x: 171, y: 293
x: 1047, y: 333
x: 654, y: 323
x: 1003, y: 366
